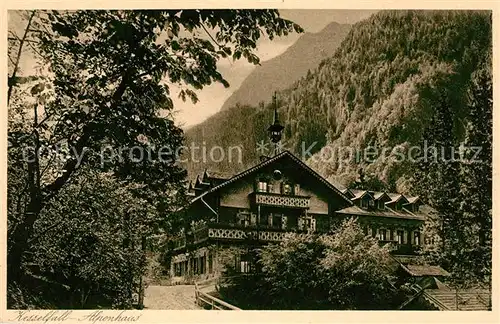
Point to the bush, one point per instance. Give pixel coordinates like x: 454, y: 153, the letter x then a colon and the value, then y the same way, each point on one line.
x: 342, y: 270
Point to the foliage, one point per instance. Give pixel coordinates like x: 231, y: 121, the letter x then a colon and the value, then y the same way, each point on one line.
x: 102, y: 104
x: 458, y: 184
x: 376, y: 90
x: 400, y: 80
x: 92, y: 243
x: 345, y: 270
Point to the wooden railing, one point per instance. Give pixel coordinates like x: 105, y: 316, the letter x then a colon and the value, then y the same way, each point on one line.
x: 279, y: 200
x: 205, y: 300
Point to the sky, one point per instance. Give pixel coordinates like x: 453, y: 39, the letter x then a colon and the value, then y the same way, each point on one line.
x: 212, y: 98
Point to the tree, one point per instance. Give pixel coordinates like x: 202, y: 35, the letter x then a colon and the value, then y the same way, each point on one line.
x: 457, y: 183
x: 109, y: 74
x: 345, y: 270
x: 367, y: 182
x: 476, y: 172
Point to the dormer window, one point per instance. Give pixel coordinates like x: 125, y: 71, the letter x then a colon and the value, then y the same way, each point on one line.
x: 366, y: 202
x: 262, y: 186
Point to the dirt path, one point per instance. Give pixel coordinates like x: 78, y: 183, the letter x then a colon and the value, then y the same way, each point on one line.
x: 170, y: 297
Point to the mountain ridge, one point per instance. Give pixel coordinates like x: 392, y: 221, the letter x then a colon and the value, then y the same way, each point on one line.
x: 379, y: 89
x: 272, y: 75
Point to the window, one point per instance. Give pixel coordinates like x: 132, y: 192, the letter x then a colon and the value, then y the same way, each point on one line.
x: 284, y: 221
x: 263, y: 220
x: 244, y: 263
x: 243, y: 218
x: 366, y: 202
x: 202, y: 267
x: 381, y: 205
x: 308, y: 223
x: 253, y: 219
x: 416, y: 238
x: 287, y: 189
x: 382, y: 234
x: 244, y: 267
x: 399, y: 236
x: 177, y: 269
x: 276, y: 220
x: 262, y: 186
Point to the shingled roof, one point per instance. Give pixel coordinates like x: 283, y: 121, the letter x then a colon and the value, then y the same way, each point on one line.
x: 284, y: 154
x: 356, y: 210
x: 425, y: 270
x: 463, y: 300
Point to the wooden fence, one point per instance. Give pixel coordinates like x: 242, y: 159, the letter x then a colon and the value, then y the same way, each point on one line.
x: 207, y: 301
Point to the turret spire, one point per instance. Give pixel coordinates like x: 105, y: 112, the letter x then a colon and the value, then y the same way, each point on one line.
x: 276, y: 128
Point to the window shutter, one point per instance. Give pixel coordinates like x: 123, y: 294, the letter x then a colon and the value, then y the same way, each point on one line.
x: 301, y: 223
x: 284, y: 221
x: 405, y: 237
x: 297, y: 189
x: 313, y: 224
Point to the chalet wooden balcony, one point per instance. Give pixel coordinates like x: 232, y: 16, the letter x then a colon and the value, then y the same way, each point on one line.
x: 232, y: 232
x: 279, y: 200
x: 219, y: 231
x: 247, y: 233
x: 261, y: 233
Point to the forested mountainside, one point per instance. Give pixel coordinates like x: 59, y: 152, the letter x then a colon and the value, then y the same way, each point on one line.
x: 379, y: 89
x: 282, y: 71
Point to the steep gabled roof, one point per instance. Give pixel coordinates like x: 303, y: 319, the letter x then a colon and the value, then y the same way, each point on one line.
x: 395, y: 197
x: 358, y: 194
x: 347, y: 192
x: 412, y: 200
x: 378, y: 195
x: 268, y: 162
x: 217, y: 175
